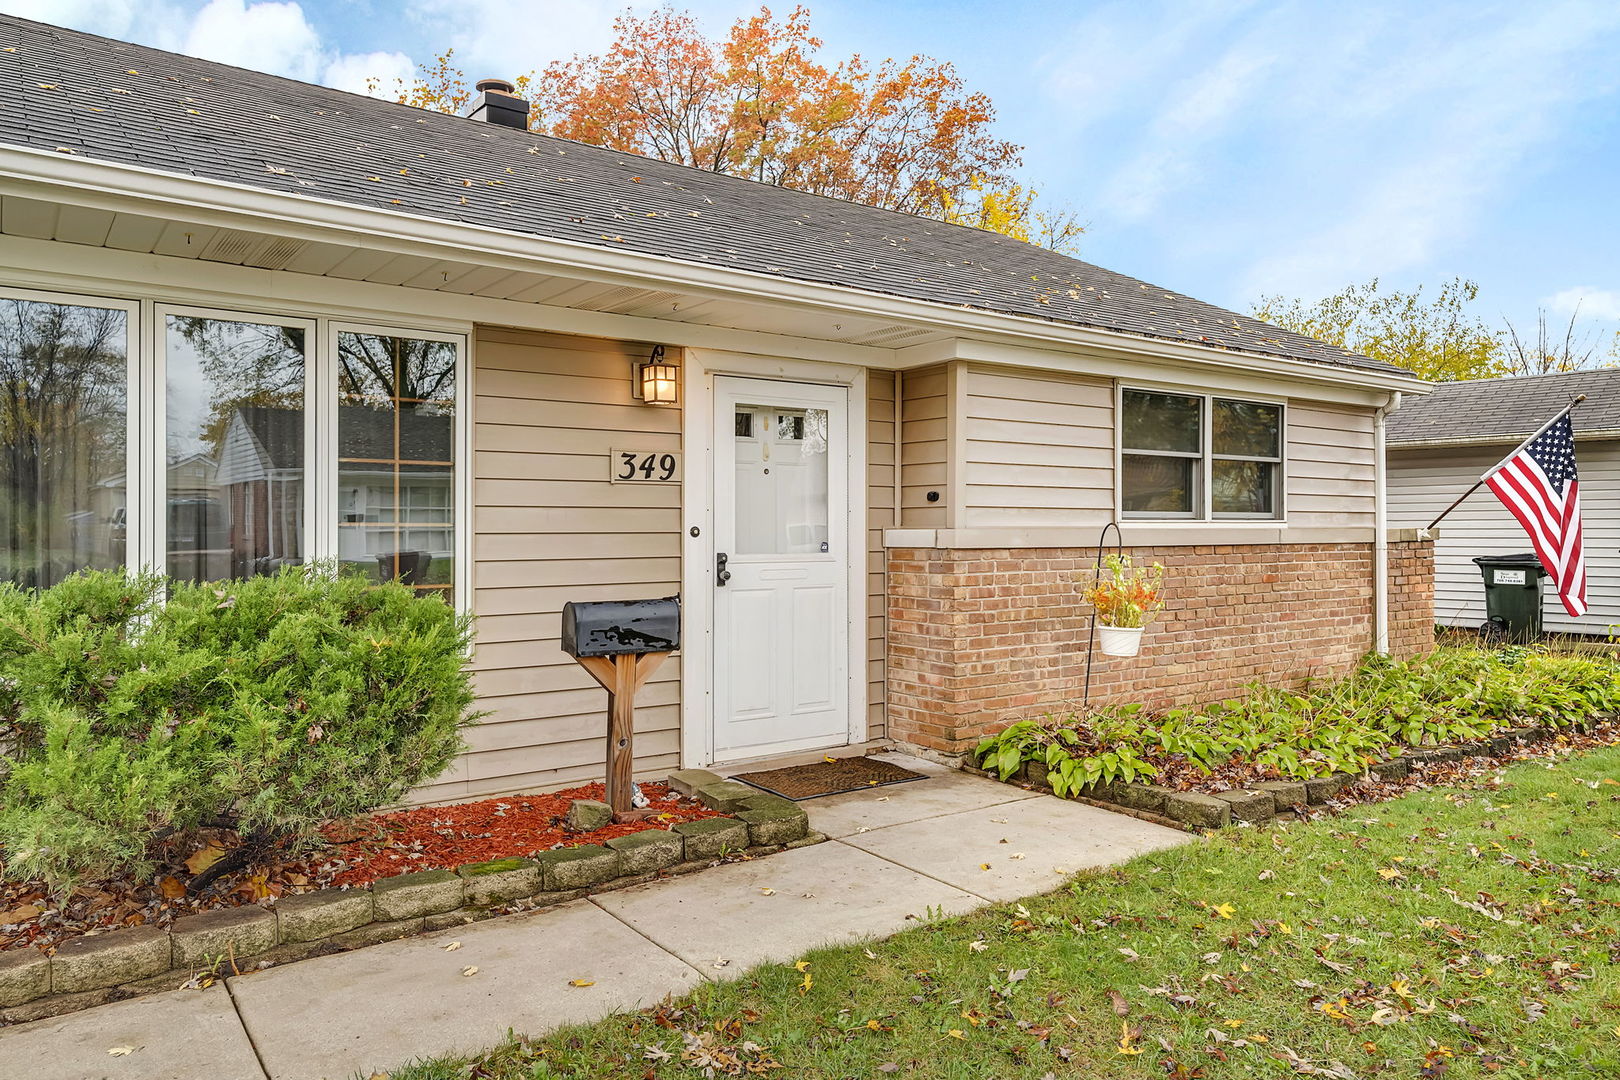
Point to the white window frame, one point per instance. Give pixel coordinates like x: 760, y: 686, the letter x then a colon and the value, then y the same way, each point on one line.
x: 1203, y: 512
x: 145, y: 450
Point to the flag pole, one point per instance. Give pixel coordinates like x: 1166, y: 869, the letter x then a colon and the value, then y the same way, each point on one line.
x: 1565, y: 411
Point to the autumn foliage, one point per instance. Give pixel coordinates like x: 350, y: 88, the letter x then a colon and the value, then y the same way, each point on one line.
x: 760, y: 103
x: 1129, y: 596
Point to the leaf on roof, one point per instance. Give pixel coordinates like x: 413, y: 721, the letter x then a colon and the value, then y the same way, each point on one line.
x: 66, y: 150
x: 46, y: 86
x: 620, y: 239
x: 376, y: 178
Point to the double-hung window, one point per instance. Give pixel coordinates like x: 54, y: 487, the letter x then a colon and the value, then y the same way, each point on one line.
x: 1199, y: 457
x: 223, y: 444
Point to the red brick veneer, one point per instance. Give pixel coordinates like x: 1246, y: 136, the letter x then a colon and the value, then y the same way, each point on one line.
x: 979, y: 638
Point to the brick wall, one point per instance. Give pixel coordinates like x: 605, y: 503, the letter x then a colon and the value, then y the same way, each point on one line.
x: 1411, y: 598
x: 979, y: 638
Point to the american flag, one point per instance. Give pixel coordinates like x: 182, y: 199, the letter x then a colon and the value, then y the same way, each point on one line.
x: 1538, y: 486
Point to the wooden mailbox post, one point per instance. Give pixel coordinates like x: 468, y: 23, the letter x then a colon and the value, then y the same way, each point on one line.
x: 621, y: 643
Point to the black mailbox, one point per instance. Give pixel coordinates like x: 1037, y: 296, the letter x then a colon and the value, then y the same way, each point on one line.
x: 621, y: 627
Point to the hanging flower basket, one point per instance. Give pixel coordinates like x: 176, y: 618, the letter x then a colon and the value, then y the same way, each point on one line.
x: 1119, y: 640
x: 1125, y: 602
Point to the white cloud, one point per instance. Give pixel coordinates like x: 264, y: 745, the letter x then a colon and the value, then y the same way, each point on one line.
x: 499, y: 39
x: 353, y: 72
x: 149, y: 21
x: 1588, y: 302
x: 272, y: 37
x: 1349, y: 140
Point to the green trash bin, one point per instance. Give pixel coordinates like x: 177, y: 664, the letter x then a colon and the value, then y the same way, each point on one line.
x: 1512, y: 596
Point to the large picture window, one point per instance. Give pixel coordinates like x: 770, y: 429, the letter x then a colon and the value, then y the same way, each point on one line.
x: 64, y: 378
x: 234, y: 453
x: 396, y: 457
x: 257, y: 442
x: 1198, y: 457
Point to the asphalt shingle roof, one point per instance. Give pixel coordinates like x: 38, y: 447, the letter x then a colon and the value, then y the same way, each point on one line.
x: 109, y: 100
x: 1508, y: 409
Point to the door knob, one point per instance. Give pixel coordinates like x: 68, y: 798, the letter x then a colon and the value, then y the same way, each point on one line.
x: 721, y: 574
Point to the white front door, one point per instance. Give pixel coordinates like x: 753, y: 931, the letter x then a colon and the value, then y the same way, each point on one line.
x: 781, y: 617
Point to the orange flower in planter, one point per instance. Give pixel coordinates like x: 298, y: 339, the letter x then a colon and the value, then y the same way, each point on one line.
x: 1129, y: 596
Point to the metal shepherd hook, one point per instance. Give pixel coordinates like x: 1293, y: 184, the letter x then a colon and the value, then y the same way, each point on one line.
x: 1096, y: 576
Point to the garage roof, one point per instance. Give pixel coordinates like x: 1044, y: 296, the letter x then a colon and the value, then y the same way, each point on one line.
x: 1506, y: 410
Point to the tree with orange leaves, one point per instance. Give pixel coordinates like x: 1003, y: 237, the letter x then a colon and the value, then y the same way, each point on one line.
x: 760, y: 104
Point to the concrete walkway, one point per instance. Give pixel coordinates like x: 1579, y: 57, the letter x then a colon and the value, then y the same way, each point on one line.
x: 895, y: 853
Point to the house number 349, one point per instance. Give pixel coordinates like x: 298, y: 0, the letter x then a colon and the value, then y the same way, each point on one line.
x: 644, y: 466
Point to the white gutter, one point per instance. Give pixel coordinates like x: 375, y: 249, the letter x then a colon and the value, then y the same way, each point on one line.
x: 134, y: 189
x: 1381, y: 527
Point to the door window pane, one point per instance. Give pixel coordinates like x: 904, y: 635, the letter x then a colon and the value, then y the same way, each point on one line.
x: 235, y: 457
x: 1162, y: 422
x: 63, y: 414
x: 1154, y: 484
x: 396, y: 459
x: 781, y: 494
x: 1247, y: 429
x: 1244, y: 488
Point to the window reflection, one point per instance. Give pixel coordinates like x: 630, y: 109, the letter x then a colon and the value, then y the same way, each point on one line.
x: 781, y: 495
x: 235, y: 454
x: 63, y: 410
x: 396, y: 459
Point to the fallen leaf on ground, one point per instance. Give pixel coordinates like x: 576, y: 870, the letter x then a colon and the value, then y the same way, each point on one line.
x: 26, y: 912
x: 581, y: 982
x: 468, y: 971
x: 204, y: 858
x: 121, y: 1051
x: 453, y: 946
x: 767, y: 892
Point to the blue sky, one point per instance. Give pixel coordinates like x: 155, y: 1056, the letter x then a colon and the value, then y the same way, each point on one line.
x: 1225, y: 148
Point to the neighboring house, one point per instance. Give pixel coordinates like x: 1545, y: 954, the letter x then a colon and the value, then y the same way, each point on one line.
x: 1439, y: 446
x: 901, y: 437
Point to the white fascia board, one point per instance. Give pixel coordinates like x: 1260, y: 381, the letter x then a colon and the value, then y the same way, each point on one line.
x: 119, y: 187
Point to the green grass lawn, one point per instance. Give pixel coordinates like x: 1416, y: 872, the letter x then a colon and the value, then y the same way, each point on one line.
x: 1456, y: 932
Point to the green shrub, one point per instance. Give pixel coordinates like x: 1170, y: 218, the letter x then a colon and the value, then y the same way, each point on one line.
x: 1454, y: 695
x: 268, y: 705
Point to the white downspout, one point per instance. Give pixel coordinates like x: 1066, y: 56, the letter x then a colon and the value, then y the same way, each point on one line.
x: 1381, y: 528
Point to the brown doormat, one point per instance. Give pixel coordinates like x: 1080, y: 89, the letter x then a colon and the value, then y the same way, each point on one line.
x: 828, y: 777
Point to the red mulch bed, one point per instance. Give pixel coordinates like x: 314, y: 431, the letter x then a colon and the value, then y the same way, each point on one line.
x: 357, y: 852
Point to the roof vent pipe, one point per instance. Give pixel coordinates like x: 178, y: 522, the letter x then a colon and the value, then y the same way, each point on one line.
x: 498, y: 103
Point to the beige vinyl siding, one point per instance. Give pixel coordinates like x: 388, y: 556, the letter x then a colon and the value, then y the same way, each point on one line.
x: 882, y: 502
x: 925, y: 442
x: 1329, y: 463
x: 1422, y: 483
x: 549, y: 528
x: 1038, y: 449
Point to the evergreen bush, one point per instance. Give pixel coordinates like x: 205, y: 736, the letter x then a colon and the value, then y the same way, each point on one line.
x: 132, y: 709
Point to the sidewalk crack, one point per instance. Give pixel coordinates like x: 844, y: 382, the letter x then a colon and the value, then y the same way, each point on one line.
x: 247, y: 1032
x: 920, y: 873
x: 637, y: 930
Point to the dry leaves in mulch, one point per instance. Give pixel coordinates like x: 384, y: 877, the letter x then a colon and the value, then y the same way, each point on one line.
x: 355, y: 852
